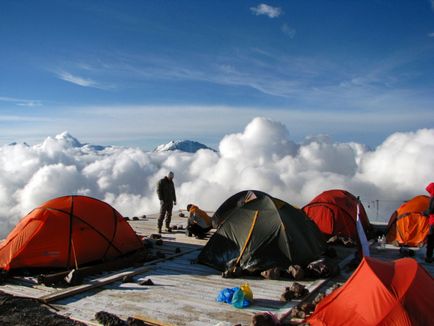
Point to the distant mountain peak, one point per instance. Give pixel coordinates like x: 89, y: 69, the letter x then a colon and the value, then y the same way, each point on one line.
x: 69, y: 139
x: 188, y: 146
x: 15, y: 144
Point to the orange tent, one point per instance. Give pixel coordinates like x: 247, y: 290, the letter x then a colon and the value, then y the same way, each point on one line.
x: 407, y: 225
x: 68, y: 232
x: 335, y: 213
x: 399, y: 292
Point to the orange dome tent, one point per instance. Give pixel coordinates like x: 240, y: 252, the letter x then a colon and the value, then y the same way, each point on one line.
x: 335, y: 213
x: 67, y: 232
x: 398, y: 292
x: 407, y: 225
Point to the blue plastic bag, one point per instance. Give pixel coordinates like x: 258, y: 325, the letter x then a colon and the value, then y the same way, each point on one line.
x: 239, y: 300
x: 226, y: 295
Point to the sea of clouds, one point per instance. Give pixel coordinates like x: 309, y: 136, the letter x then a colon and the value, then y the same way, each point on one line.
x: 262, y: 157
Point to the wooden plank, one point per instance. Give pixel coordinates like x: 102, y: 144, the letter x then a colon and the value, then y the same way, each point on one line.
x: 85, y: 287
x: 121, y: 262
x: 151, y: 322
x: 102, y: 281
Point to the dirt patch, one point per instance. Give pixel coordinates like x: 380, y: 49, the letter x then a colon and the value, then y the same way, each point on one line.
x: 16, y: 311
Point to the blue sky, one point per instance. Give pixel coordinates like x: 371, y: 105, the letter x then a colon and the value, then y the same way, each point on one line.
x: 140, y: 73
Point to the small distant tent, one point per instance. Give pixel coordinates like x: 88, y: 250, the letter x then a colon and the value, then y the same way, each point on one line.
x: 397, y: 292
x: 407, y: 225
x: 257, y: 232
x: 68, y: 231
x: 335, y: 213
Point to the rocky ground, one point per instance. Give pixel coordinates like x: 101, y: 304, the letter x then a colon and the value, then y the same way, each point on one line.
x: 16, y: 311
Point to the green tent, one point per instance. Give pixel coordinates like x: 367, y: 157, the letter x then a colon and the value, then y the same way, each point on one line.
x: 257, y: 232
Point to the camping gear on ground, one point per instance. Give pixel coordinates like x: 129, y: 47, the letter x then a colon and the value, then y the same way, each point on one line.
x: 259, y: 233
x: 239, y: 297
x: 397, y: 292
x: 408, y: 226
x: 335, y: 213
x: 68, y: 232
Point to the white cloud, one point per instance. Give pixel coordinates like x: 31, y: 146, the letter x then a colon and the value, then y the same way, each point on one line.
x: 84, y: 82
x: 106, y: 125
x: 288, y: 30
x: 22, y: 118
x: 263, y: 9
x: 262, y: 156
x: 21, y: 102
x: 431, y: 34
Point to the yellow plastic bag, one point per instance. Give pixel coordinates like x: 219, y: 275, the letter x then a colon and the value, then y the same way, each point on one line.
x: 248, y: 294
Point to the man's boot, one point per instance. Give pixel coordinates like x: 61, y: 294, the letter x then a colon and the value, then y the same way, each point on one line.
x: 169, y: 229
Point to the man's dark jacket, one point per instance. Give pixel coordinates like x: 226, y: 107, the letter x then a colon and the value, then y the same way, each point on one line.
x: 166, y: 191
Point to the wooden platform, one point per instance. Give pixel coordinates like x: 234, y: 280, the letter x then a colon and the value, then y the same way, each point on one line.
x: 183, y: 293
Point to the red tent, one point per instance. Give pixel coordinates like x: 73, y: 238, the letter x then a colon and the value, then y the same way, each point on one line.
x: 335, y: 213
x: 68, y: 232
x: 408, y: 226
x: 399, y: 292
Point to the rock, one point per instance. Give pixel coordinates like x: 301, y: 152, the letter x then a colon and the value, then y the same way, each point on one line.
x: 296, y: 272
x: 20, y: 311
x: 263, y: 319
x: 307, y: 307
x: 146, y: 282
x: 298, y: 290
x: 318, y: 298
x: 323, y: 268
x: 301, y: 314
x: 286, y: 296
x: 108, y: 319
x: 271, y: 274
x: 294, y: 312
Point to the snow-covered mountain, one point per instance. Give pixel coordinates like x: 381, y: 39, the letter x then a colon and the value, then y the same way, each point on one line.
x: 189, y: 146
x: 67, y: 139
x: 15, y: 143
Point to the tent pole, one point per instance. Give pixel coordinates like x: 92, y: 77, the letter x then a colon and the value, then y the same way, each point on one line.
x: 249, y: 235
x: 73, y: 251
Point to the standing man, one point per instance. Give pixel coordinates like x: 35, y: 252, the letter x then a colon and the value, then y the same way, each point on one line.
x: 167, y: 196
x: 430, y: 214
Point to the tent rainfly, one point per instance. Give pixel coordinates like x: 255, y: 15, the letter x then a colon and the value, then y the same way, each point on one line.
x: 399, y: 292
x: 257, y: 232
x: 335, y: 213
x: 68, y: 232
x: 407, y: 225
